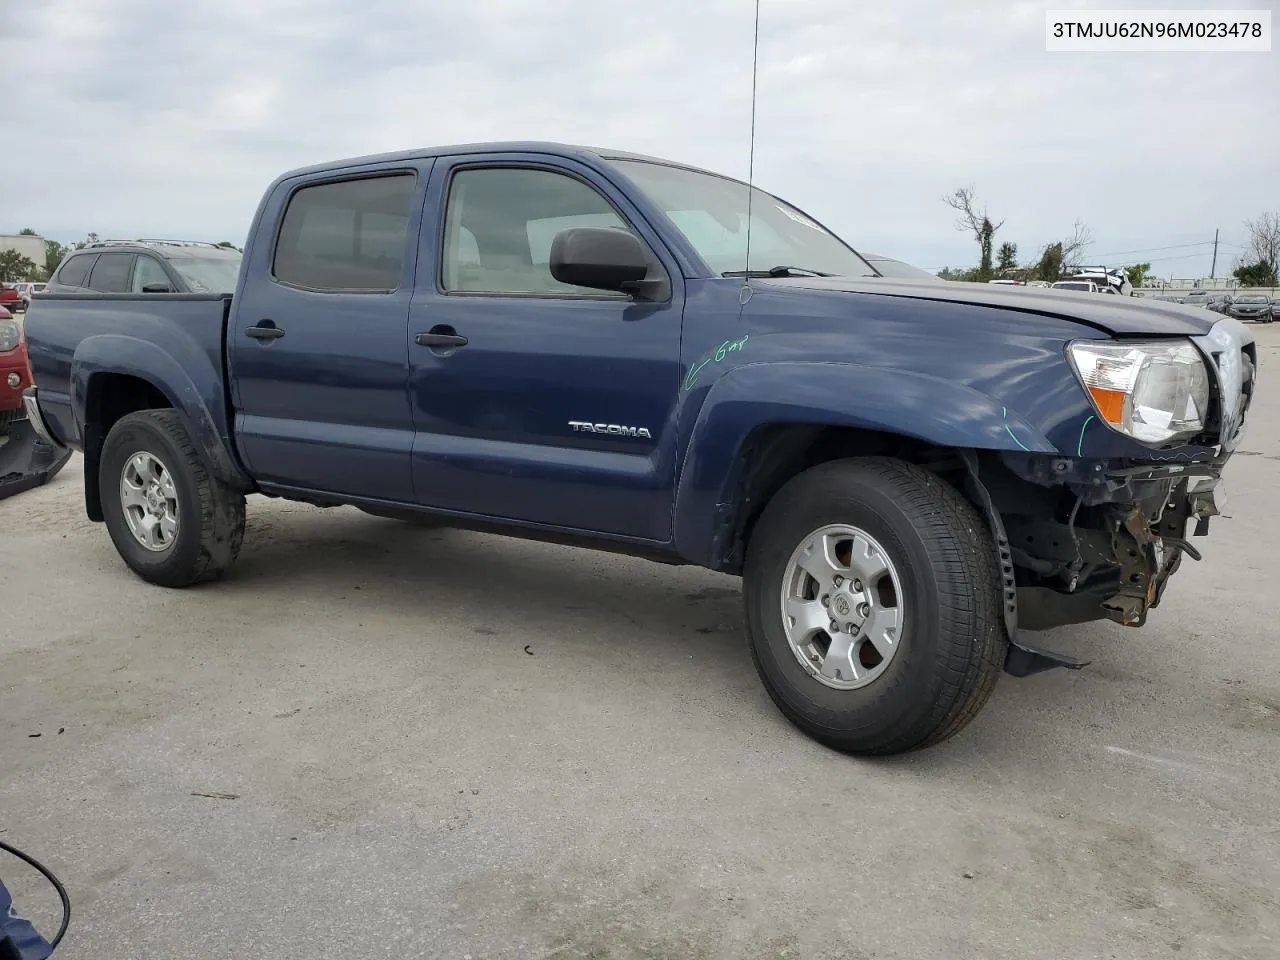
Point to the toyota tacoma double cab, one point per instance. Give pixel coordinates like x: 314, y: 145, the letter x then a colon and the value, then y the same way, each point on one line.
x: 569, y: 344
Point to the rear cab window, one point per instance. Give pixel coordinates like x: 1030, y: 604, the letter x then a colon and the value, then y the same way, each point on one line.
x: 346, y: 236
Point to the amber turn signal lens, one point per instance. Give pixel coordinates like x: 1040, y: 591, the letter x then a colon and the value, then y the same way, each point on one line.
x: 1110, y: 404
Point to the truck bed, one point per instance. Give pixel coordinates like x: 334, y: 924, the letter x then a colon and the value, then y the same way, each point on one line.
x: 183, y: 333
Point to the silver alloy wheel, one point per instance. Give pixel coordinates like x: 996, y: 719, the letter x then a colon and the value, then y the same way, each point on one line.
x: 150, y: 501
x: 842, y: 606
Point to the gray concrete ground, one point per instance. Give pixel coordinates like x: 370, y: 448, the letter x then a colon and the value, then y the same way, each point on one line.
x: 455, y: 745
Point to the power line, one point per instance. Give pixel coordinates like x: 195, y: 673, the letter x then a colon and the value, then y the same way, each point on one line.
x: 1176, y: 246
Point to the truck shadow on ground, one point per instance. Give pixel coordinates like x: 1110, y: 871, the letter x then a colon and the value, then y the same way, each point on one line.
x: 569, y: 599
x: 494, y: 583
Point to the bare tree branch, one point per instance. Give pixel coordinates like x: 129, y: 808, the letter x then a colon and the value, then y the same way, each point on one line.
x: 964, y: 202
x: 1074, y: 246
x: 1264, y: 240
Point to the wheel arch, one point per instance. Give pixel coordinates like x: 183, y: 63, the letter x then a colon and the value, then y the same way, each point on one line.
x: 112, y: 376
x: 762, y: 424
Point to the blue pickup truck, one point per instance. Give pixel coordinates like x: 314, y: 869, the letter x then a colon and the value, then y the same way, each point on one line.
x: 575, y: 345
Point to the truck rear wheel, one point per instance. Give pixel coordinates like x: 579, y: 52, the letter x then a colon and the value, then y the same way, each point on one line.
x: 873, y: 606
x: 171, y: 521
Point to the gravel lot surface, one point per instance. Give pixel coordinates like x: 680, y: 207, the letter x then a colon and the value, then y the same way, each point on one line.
x: 372, y: 740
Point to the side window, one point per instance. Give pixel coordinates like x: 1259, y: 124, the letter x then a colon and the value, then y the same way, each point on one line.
x: 348, y: 236
x: 500, y: 223
x: 111, y: 273
x: 76, y: 270
x: 147, y: 270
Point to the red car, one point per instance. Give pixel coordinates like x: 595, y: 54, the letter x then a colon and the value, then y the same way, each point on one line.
x: 10, y: 298
x: 15, y: 370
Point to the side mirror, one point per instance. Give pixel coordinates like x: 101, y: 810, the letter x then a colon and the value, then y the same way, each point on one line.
x: 156, y: 288
x: 602, y: 258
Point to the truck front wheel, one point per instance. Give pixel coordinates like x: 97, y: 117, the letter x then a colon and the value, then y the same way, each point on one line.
x: 873, y: 606
x: 171, y: 521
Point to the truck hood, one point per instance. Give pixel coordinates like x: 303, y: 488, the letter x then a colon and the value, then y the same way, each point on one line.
x: 1116, y: 315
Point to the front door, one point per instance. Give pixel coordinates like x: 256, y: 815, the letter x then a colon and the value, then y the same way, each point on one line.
x: 533, y: 400
x: 317, y: 337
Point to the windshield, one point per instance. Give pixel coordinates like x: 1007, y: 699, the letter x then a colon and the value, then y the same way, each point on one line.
x: 1252, y: 300
x: 711, y: 212
x: 209, y: 274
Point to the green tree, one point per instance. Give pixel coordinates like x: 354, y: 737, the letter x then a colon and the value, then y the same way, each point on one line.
x: 14, y: 266
x: 53, y: 254
x: 1137, y: 273
x: 27, y: 232
x: 1007, y: 258
x: 1260, y: 274
x: 1050, y: 265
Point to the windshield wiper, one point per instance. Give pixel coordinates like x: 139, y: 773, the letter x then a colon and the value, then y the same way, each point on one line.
x: 777, y: 272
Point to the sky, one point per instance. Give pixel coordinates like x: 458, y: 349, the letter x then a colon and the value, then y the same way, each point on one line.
x: 163, y: 118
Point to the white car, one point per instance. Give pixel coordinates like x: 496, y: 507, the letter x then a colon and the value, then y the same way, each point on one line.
x: 1085, y: 286
x: 27, y: 290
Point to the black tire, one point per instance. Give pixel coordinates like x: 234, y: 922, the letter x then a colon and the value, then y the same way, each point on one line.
x: 201, y: 550
x: 952, y: 645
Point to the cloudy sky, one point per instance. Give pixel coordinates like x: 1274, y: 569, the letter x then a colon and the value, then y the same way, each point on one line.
x: 169, y: 117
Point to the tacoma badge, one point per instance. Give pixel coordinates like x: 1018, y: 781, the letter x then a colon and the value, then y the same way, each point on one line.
x: 581, y: 426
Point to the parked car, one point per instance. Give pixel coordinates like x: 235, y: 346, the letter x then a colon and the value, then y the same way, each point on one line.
x: 15, y: 373
x: 1084, y: 286
x: 1252, y: 307
x: 1107, y: 280
x: 29, y: 289
x: 147, y: 266
x: 10, y: 299
x: 1219, y: 303
x: 564, y: 344
x: 1196, y: 298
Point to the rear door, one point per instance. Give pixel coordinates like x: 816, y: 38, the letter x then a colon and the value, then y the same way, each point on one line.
x: 319, y: 366
x: 559, y: 405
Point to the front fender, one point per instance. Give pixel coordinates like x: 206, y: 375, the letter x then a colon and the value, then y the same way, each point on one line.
x: 940, y: 412
x: 188, y: 380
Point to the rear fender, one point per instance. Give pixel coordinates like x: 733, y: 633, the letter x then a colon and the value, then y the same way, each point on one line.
x: 190, y: 382
x: 938, y: 412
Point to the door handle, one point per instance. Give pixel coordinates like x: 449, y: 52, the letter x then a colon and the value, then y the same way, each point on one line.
x: 263, y: 332
x: 440, y: 340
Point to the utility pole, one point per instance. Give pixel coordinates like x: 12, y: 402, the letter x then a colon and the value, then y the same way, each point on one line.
x: 1214, y: 268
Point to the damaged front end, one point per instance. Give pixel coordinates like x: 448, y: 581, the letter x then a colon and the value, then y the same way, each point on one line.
x: 1106, y: 537
x: 29, y: 456
x: 1089, y: 538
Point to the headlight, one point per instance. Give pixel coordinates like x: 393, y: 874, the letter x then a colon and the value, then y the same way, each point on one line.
x: 1154, y: 391
x: 10, y: 335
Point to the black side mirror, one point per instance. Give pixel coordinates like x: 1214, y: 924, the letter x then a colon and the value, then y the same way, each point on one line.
x: 602, y: 258
x: 156, y: 288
